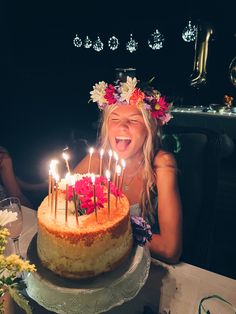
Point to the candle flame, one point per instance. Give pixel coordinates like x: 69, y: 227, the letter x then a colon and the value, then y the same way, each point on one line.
x: 116, y: 156
x: 108, y: 175
x: 101, y: 152
x: 123, y: 163
x: 65, y: 156
x: 118, y: 170
x: 91, y: 150
x: 110, y: 153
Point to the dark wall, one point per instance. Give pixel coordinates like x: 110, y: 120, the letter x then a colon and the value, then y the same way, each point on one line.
x: 46, y: 80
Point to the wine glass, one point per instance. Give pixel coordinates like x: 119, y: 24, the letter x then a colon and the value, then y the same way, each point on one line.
x: 15, y: 228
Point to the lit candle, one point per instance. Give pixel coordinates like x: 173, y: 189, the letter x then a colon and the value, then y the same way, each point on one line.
x: 52, y: 195
x: 53, y: 170
x: 72, y: 180
x: 49, y: 186
x: 94, y: 196
x: 109, y: 163
x: 108, y: 176
x: 56, y: 195
x: 116, y: 157
x: 91, y: 151
x: 123, y: 164
x: 66, y: 216
x: 66, y: 157
x: 118, y: 172
x: 101, y: 157
x: 67, y: 187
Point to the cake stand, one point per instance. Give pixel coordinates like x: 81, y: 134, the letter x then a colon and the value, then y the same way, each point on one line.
x: 93, y: 295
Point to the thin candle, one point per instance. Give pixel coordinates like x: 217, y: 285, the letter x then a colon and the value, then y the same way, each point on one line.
x: 101, y: 157
x: 123, y: 164
x: 52, y: 195
x: 52, y: 171
x: 91, y: 151
x: 66, y: 158
x: 94, y: 196
x: 66, y: 215
x: 109, y: 162
x: 118, y: 172
x: 49, y: 187
x: 108, y: 176
x: 72, y: 180
x: 56, y: 195
x: 116, y: 157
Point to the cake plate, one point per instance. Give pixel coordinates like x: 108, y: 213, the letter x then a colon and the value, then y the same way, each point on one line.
x: 93, y: 295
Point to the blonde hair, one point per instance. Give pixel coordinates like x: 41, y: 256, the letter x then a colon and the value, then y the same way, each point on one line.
x: 151, y: 145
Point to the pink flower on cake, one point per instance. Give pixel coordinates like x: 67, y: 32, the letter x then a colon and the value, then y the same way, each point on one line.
x: 85, y: 193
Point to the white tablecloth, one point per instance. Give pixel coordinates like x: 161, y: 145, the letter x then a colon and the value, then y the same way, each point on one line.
x: 169, y: 289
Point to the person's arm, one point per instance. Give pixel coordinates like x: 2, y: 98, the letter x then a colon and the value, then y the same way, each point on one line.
x: 168, y: 244
x: 9, y: 180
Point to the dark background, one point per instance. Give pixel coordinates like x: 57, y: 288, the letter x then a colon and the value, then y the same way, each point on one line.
x: 46, y: 80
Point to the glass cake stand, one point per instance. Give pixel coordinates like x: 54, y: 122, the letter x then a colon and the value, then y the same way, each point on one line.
x: 94, y: 295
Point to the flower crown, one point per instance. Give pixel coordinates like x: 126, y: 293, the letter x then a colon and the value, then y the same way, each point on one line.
x: 133, y: 93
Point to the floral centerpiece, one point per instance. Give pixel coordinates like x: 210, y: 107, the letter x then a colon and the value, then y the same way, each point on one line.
x: 83, y: 191
x: 11, y: 267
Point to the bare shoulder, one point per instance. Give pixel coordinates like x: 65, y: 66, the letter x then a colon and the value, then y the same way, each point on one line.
x: 164, y: 159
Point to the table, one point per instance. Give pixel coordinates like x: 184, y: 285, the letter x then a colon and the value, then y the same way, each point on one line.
x: 175, y: 289
x: 223, y: 123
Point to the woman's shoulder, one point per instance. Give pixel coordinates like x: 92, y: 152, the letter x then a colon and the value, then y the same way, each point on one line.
x: 164, y: 159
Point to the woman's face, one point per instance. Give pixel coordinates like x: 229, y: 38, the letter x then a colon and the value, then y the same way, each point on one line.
x: 127, y: 131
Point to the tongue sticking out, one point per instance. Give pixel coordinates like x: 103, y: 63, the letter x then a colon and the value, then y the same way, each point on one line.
x: 122, y: 145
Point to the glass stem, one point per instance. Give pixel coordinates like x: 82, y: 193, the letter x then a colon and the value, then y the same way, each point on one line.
x: 17, y: 247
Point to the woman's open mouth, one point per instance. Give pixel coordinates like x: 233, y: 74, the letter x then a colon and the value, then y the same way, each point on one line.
x: 122, y: 142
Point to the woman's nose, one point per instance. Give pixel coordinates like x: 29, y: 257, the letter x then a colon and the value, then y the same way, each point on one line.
x: 123, y: 124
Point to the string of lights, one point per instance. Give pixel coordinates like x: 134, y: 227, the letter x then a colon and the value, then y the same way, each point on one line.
x: 155, y: 40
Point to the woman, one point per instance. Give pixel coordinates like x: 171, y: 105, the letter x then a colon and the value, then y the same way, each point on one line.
x: 131, y: 123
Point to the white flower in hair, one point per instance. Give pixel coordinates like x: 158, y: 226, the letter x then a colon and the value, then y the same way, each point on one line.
x: 98, y: 93
x: 128, y: 88
x: 7, y: 217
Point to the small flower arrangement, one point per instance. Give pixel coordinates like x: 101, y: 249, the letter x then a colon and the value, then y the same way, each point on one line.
x: 133, y: 93
x: 84, y: 192
x: 141, y: 230
x: 11, y: 267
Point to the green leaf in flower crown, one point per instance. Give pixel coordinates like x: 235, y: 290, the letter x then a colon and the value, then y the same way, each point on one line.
x: 20, y: 300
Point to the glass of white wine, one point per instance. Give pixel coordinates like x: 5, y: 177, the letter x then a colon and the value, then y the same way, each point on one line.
x: 15, y: 228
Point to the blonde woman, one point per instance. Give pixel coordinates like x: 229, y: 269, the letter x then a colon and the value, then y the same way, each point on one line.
x: 132, y: 116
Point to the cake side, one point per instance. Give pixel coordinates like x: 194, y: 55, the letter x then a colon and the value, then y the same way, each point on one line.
x: 89, y: 248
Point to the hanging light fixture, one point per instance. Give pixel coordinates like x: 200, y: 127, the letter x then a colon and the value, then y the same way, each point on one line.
x: 113, y: 43
x: 87, y: 42
x: 77, y: 41
x: 156, y: 40
x: 98, y: 44
x: 131, y: 45
x: 189, y: 32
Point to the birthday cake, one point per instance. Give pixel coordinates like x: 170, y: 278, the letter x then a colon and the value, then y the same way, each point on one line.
x: 81, y: 238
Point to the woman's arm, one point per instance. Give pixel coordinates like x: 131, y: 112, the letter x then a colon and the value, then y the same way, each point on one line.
x: 168, y: 244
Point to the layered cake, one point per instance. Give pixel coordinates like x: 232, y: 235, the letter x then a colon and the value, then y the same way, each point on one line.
x: 75, y: 245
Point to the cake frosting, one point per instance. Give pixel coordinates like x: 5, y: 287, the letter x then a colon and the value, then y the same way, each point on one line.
x: 87, y: 248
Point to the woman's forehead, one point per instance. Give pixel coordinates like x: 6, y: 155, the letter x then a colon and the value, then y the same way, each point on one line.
x: 127, y: 110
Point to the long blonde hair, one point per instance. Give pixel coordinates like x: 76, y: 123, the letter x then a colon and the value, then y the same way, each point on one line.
x: 151, y: 145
